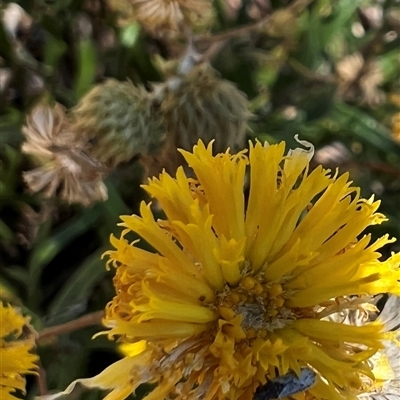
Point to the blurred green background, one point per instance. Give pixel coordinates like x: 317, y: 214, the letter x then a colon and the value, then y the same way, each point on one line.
x: 329, y: 73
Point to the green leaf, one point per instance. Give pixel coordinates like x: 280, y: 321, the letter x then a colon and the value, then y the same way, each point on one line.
x: 64, y: 363
x: 130, y: 34
x: 390, y: 65
x: 19, y: 274
x: 7, y: 292
x: 363, y: 126
x: 321, y: 30
x: 79, y: 287
x: 342, y: 12
x: 111, y: 210
x: 6, y: 234
x: 54, y: 49
x: 5, y: 48
x: 45, y: 251
x: 87, y: 61
x: 10, y: 127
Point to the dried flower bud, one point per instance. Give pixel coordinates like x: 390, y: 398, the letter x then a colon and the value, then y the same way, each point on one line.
x: 202, y: 106
x: 283, y: 23
x: 65, y: 169
x: 198, y: 105
x: 118, y: 120
x: 160, y: 16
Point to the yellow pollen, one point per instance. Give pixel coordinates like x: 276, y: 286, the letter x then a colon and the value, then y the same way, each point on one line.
x: 234, y: 296
x: 259, y: 303
x: 243, y: 298
x: 275, y: 290
x: 258, y: 288
x: 273, y: 312
x: 250, y: 299
x: 263, y: 333
x: 248, y: 282
x: 278, y: 301
x: 251, y: 333
x: 226, y: 313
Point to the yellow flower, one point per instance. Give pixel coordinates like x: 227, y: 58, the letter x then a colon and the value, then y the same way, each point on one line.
x: 240, y: 290
x: 16, y: 358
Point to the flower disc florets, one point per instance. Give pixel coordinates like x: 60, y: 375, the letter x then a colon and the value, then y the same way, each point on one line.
x: 241, y: 291
x: 259, y: 303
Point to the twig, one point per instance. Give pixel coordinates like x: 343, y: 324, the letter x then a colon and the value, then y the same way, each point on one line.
x: 372, y: 166
x: 213, y: 50
x: 295, y: 8
x: 71, y: 326
x: 218, y: 37
x: 308, y: 73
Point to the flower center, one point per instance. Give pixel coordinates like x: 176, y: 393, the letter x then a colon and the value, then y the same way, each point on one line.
x: 259, y: 304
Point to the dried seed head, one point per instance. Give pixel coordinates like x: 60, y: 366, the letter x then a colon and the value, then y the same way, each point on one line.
x: 64, y: 167
x: 164, y: 16
x: 45, y: 129
x: 198, y: 105
x: 203, y: 106
x: 118, y: 120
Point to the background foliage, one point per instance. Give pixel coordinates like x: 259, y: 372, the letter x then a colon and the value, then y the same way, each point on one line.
x: 329, y: 74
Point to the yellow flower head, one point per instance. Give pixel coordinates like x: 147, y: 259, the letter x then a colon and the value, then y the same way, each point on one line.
x: 241, y: 290
x: 16, y: 358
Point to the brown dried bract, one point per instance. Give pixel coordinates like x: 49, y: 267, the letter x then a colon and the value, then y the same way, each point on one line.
x: 162, y: 16
x: 65, y: 169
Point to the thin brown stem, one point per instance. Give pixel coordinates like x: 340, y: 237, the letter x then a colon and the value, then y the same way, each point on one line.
x: 41, y: 379
x: 230, y: 33
x: 376, y: 167
x: 372, y: 166
x: 296, y: 7
x: 308, y: 73
x: 213, y: 50
x: 71, y: 326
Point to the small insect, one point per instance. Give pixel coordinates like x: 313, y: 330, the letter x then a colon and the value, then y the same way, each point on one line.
x: 286, y: 385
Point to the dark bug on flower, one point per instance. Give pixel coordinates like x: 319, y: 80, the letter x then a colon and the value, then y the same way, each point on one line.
x: 286, y: 385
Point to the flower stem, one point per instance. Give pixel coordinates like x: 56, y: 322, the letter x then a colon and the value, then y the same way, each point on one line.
x: 296, y: 7
x: 71, y: 326
x: 42, y: 383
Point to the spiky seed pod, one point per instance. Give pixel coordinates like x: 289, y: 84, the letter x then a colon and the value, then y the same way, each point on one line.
x: 118, y: 120
x: 204, y: 106
x: 65, y: 169
x: 162, y: 16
